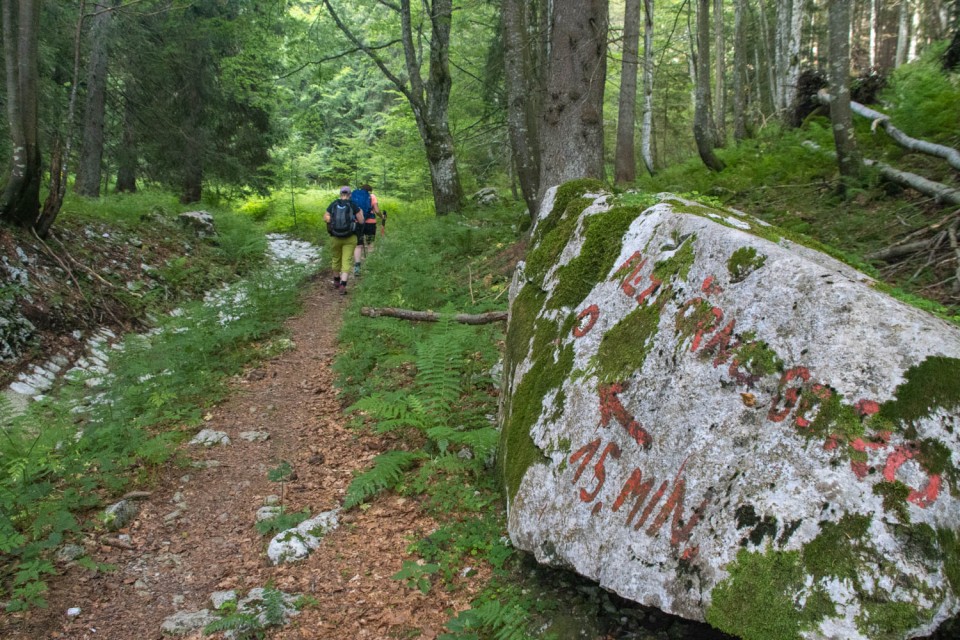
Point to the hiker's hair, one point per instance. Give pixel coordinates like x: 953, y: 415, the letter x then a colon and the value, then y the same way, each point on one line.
x: 366, y: 187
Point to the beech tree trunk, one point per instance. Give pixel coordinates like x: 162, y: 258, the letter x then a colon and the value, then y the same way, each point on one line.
x: 903, y: 32
x: 571, y: 135
x: 625, y: 162
x: 702, y: 125
x: 848, y: 157
x: 646, y: 127
x: 720, y: 89
x: 787, y: 56
x: 20, y: 201
x: 522, y: 112
x: 91, y: 149
x: 739, y: 72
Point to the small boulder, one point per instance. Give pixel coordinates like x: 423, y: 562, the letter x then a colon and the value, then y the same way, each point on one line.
x: 200, y: 222
x: 209, y: 438
x: 120, y: 514
x: 185, y: 622
x: 297, y: 543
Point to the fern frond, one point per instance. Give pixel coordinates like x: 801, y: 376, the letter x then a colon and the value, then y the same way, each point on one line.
x: 392, y: 411
x: 387, y: 470
x: 508, y: 621
x: 482, y: 440
x: 240, y: 624
x: 273, y: 607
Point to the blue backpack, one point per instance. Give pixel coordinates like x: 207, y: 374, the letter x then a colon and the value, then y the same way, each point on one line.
x: 361, y: 198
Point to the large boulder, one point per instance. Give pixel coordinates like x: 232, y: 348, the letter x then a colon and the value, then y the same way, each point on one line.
x: 709, y: 417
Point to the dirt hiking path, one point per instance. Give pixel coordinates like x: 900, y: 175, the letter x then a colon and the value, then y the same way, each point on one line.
x: 176, y: 561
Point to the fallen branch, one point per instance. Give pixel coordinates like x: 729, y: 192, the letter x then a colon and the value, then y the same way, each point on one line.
x: 119, y: 544
x: 951, y: 155
x: 892, y: 253
x: 940, y: 192
x: 430, y: 316
x: 955, y: 245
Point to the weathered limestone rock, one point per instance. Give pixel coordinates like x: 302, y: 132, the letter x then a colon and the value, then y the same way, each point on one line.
x: 186, y: 622
x: 200, y: 222
x: 297, y: 543
x: 709, y: 418
x: 120, y: 514
x: 209, y: 438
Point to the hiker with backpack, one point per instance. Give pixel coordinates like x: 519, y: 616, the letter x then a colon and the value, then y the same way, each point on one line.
x: 364, y: 198
x: 343, y: 219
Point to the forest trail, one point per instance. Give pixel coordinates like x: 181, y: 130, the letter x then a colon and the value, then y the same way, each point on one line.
x: 175, y: 563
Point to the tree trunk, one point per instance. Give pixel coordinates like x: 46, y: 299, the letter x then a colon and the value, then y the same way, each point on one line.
x: 20, y: 202
x: 646, y: 128
x: 848, y: 157
x: 702, y: 126
x: 903, y: 32
x: 522, y: 115
x: 127, y: 154
x: 571, y: 136
x: 91, y: 149
x: 625, y: 162
x: 769, y: 46
x: 720, y: 89
x: 739, y: 72
x: 787, y: 55
x: 429, y: 100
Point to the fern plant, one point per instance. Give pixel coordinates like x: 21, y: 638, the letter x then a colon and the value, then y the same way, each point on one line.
x: 386, y: 472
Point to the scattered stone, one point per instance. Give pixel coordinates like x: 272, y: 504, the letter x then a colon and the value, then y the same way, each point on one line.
x: 73, y: 612
x: 209, y: 438
x: 255, y: 436
x: 271, y: 500
x: 486, y: 196
x: 206, y: 464
x: 69, y: 552
x: 200, y: 222
x: 268, y: 513
x: 120, y: 514
x: 220, y: 598
x: 172, y: 517
x: 183, y: 622
x: 297, y: 543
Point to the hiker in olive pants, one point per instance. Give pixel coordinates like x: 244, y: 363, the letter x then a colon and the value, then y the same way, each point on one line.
x: 343, y: 218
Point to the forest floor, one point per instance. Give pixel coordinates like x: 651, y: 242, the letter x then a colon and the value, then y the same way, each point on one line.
x: 174, y: 564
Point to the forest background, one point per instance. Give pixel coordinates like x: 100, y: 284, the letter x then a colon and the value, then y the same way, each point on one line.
x: 263, y: 107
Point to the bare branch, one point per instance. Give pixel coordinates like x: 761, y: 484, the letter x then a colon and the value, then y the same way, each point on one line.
x: 398, y: 83
x: 430, y: 316
x: 336, y: 56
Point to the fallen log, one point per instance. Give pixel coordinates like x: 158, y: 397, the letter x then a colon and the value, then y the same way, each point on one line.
x: 951, y: 155
x: 941, y: 192
x: 431, y: 316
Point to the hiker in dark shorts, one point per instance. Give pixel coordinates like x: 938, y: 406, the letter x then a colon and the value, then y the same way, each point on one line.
x: 367, y: 202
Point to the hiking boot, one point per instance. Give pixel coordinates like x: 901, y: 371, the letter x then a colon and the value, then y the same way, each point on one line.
x: 343, y: 288
x: 336, y: 282
x: 356, y: 269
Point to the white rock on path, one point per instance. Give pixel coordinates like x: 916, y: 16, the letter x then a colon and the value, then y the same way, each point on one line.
x: 297, y: 543
x: 730, y: 426
x: 209, y: 438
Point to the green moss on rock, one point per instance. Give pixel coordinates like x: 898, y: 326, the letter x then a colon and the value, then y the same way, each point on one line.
x: 518, y: 450
x: 890, y: 620
x: 931, y: 385
x: 547, y: 250
x: 836, y: 551
x: 743, y: 262
x: 624, y: 348
x: 565, y: 194
x: 950, y: 551
x: 756, y: 358
x: 678, y: 265
x: 894, y: 496
x: 523, y: 317
x: 761, y: 598
x: 602, y: 244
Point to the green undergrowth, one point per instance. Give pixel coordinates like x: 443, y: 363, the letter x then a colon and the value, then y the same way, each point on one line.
x: 778, y: 179
x: 77, y: 450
